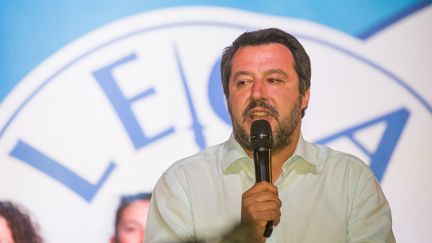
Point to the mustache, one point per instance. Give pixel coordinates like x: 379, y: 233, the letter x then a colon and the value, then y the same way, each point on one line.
x: 271, y: 110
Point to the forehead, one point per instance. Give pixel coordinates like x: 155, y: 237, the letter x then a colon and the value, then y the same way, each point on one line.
x: 269, y: 54
x: 136, y: 211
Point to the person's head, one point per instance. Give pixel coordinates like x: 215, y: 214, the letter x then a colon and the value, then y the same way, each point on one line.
x: 131, y: 216
x: 16, y: 226
x: 266, y: 75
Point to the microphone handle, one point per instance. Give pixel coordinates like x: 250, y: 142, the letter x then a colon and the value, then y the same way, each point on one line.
x: 268, y: 229
x: 262, y: 160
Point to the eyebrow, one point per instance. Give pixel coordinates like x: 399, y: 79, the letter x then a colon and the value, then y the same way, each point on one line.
x: 269, y: 72
x: 239, y: 73
x: 131, y: 222
x: 276, y: 71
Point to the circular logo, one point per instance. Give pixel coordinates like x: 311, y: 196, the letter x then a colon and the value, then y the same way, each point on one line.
x: 107, y: 114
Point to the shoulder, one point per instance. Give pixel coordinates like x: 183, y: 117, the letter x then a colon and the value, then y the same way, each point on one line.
x: 191, y: 172
x: 332, y: 160
x: 348, y: 173
x: 205, y: 161
x: 204, y: 157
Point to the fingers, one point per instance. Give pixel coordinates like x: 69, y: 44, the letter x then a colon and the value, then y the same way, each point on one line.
x: 261, y: 204
x: 261, y: 214
x: 263, y: 195
x: 262, y: 186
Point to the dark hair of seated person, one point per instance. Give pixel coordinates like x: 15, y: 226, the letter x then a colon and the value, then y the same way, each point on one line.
x: 20, y: 224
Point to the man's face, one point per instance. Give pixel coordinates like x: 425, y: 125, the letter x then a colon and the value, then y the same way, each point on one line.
x: 264, y: 85
x: 132, y: 224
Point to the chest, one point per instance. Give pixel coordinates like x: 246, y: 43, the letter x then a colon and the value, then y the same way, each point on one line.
x: 314, y: 208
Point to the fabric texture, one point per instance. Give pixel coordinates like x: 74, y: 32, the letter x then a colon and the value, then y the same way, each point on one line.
x: 327, y: 196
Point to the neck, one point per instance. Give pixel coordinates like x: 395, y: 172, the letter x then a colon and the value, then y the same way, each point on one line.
x: 279, y: 157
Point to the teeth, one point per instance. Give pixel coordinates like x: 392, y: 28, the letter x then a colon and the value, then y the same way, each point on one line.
x: 260, y: 113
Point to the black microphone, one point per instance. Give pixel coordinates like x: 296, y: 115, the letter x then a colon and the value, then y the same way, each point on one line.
x: 261, y: 141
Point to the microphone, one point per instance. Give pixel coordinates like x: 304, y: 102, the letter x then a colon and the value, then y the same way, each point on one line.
x: 261, y: 141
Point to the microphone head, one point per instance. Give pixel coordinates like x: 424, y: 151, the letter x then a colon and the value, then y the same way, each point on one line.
x: 261, y: 134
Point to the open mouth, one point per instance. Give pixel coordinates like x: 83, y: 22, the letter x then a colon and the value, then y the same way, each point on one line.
x: 259, y: 109
x: 259, y: 114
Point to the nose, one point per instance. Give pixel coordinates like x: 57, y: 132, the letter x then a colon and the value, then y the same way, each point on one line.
x: 258, y: 90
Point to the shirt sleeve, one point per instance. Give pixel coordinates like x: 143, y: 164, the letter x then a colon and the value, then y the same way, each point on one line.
x: 170, y: 216
x: 370, y: 217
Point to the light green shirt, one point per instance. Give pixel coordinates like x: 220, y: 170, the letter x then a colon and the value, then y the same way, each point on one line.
x: 327, y: 196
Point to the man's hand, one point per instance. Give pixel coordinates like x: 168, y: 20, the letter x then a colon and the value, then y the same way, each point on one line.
x: 260, y: 204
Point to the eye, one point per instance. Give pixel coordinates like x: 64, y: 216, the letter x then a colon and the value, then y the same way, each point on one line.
x: 274, y: 80
x: 241, y: 83
x: 130, y: 228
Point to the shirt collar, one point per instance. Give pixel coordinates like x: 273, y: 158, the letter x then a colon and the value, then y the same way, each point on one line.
x: 305, y: 158
x: 235, y: 159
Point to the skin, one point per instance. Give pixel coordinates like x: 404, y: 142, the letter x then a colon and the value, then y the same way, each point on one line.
x: 265, y: 73
x: 132, y: 224
x: 5, y: 232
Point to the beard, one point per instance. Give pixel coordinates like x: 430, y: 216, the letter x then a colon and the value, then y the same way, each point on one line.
x: 284, y: 129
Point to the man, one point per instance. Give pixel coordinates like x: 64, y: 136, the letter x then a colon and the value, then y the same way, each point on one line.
x: 318, y: 195
x: 131, y: 218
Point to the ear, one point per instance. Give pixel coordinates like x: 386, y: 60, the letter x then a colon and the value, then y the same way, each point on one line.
x: 305, y: 99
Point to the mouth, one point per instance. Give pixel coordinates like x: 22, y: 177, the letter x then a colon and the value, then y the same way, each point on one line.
x: 259, y: 110
x: 258, y: 114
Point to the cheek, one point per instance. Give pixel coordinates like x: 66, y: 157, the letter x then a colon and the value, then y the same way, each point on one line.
x: 131, y: 237
x: 236, y: 104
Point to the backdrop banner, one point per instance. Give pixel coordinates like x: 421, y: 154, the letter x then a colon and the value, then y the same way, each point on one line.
x: 101, y: 107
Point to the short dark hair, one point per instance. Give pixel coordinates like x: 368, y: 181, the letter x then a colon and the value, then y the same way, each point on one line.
x: 267, y: 36
x: 125, y: 201
x: 20, y: 223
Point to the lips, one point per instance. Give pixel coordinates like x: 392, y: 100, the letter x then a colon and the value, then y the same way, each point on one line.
x: 257, y: 114
x: 259, y: 109
x: 260, y: 113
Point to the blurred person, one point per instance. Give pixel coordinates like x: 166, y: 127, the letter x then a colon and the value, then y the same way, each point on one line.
x: 130, y: 220
x: 16, y: 225
x: 317, y: 195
